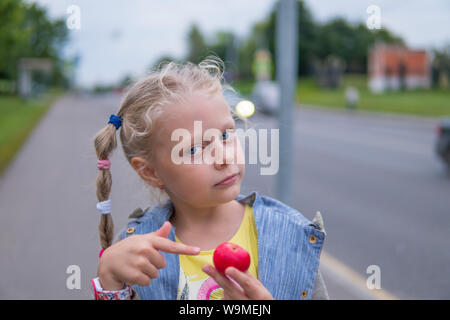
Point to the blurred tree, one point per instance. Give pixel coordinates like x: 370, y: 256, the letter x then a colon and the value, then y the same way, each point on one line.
x: 162, y: 59
x: 126, y: 81
x: 349, y: 42
x: 224, y: 46
x: 441, y: 67
x: 197, y: 48
x: 246, y: 52
x: 263, y: 37
x: 317, y: 42
x: 13, y: 39
x: 220, y: 43
x: 46, y: 40
x: 337, y: 38
x: 26, y: 31
x: 46, y: 37
x: 307, y: 35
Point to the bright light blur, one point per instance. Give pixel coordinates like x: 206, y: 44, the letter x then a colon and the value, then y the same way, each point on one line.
x: 245, y: 108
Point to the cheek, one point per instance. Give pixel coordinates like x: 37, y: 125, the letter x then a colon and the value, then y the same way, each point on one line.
x: 240, y: 158
x: 239, y: 154
x: 187, y: 177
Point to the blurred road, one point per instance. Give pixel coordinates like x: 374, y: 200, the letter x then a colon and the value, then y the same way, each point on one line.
x: 382, y: 193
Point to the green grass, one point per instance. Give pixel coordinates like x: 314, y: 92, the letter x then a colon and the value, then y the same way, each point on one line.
x: 434, y: 102
x: 244, y: 87
x: 17, y: 119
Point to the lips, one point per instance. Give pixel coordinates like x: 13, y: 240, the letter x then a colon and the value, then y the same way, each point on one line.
x: 227, y: 179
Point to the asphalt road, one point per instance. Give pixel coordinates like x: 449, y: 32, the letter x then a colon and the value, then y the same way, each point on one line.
x: 381, y: 191
x: 383, y: 194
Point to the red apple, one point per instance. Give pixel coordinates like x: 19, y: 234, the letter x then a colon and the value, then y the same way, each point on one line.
x: 230, y: 254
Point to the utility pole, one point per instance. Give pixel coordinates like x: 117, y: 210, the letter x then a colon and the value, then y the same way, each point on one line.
x: 231, y: 57
x: 287, y: 55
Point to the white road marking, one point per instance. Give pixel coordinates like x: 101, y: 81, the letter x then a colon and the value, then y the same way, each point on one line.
x: 352, y: 280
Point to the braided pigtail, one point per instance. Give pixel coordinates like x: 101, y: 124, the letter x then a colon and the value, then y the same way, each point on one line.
x: 105, y: 142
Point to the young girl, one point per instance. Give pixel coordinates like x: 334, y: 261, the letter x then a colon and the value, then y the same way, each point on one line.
x: 167, y: 252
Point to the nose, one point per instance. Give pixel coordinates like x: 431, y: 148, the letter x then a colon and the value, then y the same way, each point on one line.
x: 223, y: 154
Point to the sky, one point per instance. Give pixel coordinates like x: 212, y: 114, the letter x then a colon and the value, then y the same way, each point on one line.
x: 117, y: 37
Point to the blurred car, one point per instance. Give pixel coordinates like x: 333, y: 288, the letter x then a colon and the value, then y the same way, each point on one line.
x: 443, y: 140
x: 265, y: 95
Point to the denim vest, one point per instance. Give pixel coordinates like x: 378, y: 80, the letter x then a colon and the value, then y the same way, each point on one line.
x: 289, y: 247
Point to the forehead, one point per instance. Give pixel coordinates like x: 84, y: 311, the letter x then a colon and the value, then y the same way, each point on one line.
x: 212, y: 110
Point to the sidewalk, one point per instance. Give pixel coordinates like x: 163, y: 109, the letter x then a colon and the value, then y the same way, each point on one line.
x: 48, y: 218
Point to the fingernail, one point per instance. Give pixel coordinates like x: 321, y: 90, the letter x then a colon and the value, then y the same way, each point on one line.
x: 196, y: 250
x: 206, y: 268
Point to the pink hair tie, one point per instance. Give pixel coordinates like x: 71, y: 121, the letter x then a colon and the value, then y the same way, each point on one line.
x: 103, y: 164
x: 100, y: 253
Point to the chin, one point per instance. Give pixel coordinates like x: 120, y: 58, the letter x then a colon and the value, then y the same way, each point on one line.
x: 228, y: 194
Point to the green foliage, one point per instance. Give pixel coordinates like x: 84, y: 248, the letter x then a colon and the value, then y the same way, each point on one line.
x: 162, y: 60
x: 308, y: 31
x: 440, y: 71
x: 442, y: 58
x: 246, y: 54
x: 13, y: 39
x: 197, y: 45
x: 26, y: 31
x: 316, y: 41
x: 17, y: 119
x: 349, y: 42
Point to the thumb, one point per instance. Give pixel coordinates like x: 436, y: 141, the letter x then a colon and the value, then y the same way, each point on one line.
x: 164, y: 230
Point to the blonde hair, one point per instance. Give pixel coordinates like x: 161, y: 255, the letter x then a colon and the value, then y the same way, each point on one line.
x: 141, y: 106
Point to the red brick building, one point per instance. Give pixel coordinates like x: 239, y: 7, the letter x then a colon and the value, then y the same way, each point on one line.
x: 395, y: 67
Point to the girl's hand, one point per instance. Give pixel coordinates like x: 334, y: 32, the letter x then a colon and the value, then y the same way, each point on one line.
x: 245, y: 286
x: 136, y: 260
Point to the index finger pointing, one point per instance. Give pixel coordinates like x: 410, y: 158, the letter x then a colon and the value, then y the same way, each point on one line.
x: 166, y: 245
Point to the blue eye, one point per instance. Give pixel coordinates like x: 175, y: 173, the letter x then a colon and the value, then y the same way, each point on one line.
x: 192, y: 151
x: 226, y: 135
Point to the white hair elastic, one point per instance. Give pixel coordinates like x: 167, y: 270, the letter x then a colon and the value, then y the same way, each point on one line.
x: 104, y: 207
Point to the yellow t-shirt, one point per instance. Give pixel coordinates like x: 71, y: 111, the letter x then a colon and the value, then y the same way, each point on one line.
x: 194, y: 284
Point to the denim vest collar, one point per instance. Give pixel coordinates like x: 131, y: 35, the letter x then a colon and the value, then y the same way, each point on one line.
x: 289, y: 247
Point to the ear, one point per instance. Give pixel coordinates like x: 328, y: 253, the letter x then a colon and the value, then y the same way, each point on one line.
x: 146, y: 171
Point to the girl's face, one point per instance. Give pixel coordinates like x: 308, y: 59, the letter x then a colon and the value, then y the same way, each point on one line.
x: 213, y: 157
